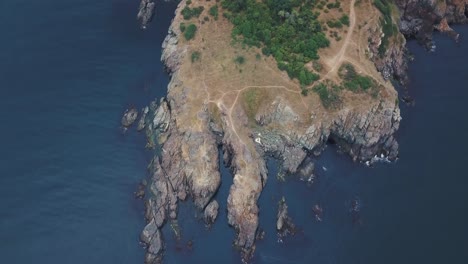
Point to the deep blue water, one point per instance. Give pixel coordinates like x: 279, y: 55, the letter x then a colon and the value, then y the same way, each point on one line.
x: 68, y: 69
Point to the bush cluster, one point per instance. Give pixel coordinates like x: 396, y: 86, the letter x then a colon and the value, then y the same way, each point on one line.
x: 286, y: 29
x: 388, y: 27
x: 188, y: 12
x: 190, y: 31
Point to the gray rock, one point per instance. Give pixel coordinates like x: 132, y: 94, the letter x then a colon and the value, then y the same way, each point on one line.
x: 284, y: 224
x: 151, y: 236
x: 162, y: 117
x: 129, y: 117
x: 149, y: 232
x: 142, y: 121
x: 145, y: 12
x: 211, y: 212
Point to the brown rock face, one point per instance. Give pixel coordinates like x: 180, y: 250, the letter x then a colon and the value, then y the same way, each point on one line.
x: 418, y: 18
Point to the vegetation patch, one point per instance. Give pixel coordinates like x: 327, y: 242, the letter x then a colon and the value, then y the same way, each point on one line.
x: 334, y: 5
x: 188, y: 12
x: 286, y: 29
x: 328, y: 95
x: 354, y: 81
x: 252, y: 100
x: 190, y: 32
x: 388, y: 27
x: 344, y: 19
x: 239, y: 59
x: 214, y: 11
x: 195, y: 56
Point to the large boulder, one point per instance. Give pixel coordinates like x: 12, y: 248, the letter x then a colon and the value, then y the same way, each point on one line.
x: 129, y: 117
x: 211, y: 212
x: 146, y: 11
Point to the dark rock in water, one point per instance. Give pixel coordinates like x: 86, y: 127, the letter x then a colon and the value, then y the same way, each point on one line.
x: 355, y: 214
x: 408, y: 99
x: 146, y: 11
x: 190, y: 245
x: 211, y: 212
x: 140, y: 193
x: 318, y: 212
x: 129, y: 117
x: 260, y: 234
x: 284, y: 224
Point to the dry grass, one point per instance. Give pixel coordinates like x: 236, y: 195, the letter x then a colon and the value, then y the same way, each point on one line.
x: 217, y: 81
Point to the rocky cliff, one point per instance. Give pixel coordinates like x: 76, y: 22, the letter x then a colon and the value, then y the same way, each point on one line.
x: 202, y: 113
x: 415, y: 19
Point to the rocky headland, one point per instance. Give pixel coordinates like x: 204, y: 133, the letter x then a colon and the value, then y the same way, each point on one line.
x: 253, y: 109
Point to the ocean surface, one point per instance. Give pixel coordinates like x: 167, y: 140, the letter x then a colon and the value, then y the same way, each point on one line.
x: 69, y: 69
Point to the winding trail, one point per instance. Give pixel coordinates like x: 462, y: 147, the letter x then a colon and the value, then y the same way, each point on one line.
x: 335, y: 64
x: 339, y: 57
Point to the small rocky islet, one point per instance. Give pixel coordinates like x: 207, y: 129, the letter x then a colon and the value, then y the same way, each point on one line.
x: 186, y: 131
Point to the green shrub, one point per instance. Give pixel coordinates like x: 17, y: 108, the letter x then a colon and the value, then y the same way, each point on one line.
x: 182, y: 27
x: 214, y: 11
x: 188, y: 12
x: 344, y: 19
x: 388, y: 27
x: 190, y: 32
x: 328, y: 97
x: 287, y: 30
x: 334, y: 24
x: 354, y: 81
x: 196, y: 56
x: 239, y: 59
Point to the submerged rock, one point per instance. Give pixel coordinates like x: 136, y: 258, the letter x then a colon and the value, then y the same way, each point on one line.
x: 129, y: 117
x: 318, y: 212
x: 140, y: 192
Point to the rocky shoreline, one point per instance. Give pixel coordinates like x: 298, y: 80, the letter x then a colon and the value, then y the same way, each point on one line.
x: 186, y: 164
x: 418, y: 20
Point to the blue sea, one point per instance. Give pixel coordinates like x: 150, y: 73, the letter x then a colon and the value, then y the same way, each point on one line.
x: 69, y: 69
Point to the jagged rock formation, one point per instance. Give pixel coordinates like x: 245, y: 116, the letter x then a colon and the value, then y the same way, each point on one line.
x: 193, y: 121
x: 129, y: 117
x: 211, y: 212
x: 145, y: 12
x: 284, y: 223
x: 418, y: 19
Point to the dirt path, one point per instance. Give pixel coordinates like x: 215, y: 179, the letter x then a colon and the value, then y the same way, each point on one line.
x: 338, y: 59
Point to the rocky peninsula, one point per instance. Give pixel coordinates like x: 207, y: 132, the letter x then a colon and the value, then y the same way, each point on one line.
x: 225, y: 95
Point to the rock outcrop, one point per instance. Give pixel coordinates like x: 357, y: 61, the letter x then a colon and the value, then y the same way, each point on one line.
x: 284, y: 223
x: 145, y: 12
x: 420, y: 17
x: 190, y: 125
x: 417, y: 19
x: 211, y: 212
x: 129, y: 117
